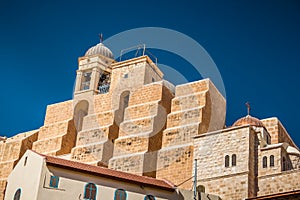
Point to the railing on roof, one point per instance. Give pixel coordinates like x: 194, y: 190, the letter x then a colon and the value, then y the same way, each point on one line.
x: 104, y: 88
x: 140, y: 50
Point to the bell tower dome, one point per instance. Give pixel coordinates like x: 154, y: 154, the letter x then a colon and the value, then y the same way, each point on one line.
x: 94, y: 69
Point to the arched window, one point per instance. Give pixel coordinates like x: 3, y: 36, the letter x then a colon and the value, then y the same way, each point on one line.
x: 120, y: 194
x: 265, y: 162
x: 227, y: 161
x: 149, y: 197
x: 271, y: 161
x: 90, y: 191
x: 233, y: 160
x: 80, y: 111
x: 17, y: 194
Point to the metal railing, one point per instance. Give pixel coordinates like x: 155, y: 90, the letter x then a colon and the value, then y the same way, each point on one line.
x: 104, y: 88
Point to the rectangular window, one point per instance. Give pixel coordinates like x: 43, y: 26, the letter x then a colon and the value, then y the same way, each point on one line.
x: 54, y: 181
x: 86, y: 80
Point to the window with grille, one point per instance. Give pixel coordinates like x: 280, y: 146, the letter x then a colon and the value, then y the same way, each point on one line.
x: 54, y: 181
x: 120, y: 194
x: 90, y: 191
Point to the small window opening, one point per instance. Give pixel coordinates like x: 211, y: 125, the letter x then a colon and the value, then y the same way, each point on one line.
x: 25, y: 161
x: 149, y: 197
x: 233, y: 160
x: 120, y: 194
x: 265, y: 161
x: 54, y: 181
x: 90, y: 191
x: 86, y: 80
x: 271, y: 161
x: 227, y: 161
x: 17, y: 194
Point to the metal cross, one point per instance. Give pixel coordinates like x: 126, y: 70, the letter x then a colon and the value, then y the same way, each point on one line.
x: 248, y: 108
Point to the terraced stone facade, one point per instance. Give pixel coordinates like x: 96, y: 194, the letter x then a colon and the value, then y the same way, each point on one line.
x: 126, y: 117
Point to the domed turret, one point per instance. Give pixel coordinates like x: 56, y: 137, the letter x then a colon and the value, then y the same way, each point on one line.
x: 100, y: 49
x: 248, y: 120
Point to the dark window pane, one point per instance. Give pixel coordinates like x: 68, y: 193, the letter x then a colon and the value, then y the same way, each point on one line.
x: 265, y: 162
x: 271, y: 161
x: 149, y: 197
x: 233, y: 161
x: 17, y: 194
x: 226, y: 161
x: 120, y: 194
x: 90, y: 191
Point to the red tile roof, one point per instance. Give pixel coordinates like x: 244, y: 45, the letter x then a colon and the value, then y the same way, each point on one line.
x: 109, y: 173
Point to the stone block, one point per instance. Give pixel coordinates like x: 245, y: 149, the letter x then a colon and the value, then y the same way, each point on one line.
x: 139, y: 163
x: 179, y: 135
x: 92, y: 136
x: 53, y: 130
x: 59, y: 144
x: 189, y: 101
x: 59, y: 112
x: 98, y: 120
x: 6, y: 168
x: 103, y: 103
x: 129, y: 145
x: 132, y: 127
x: 141, y: 110
x: 192, y: 88
x: 185, y: 117
x: 176, y: 165
x: 99, y: 152
x: 147, y: 93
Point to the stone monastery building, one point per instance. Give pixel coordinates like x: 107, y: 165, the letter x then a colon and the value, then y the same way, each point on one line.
x: 128, y: 129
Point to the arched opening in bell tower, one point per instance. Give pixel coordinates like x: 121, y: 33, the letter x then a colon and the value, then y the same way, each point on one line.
x: 123, y: 104
x: 80, y: 111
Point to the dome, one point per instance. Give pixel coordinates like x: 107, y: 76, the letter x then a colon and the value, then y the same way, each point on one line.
x: 248, y: 120
x: 100, y: 49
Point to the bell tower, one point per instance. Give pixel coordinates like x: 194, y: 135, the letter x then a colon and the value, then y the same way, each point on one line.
x: 94, y: 69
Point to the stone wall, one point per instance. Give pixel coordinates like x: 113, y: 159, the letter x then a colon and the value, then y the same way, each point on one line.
x: 94, y: 142
x: 140, y: 133
x: 232, y: 182
x: 232, y: 187
x: 193, y: 112
x: 277, y: 131
x: 277, y: 183
x: 59, y: 112
x: 56, y: 139
x: 267, y: 152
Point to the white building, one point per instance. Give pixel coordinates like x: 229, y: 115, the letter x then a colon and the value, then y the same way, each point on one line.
x: 41, y: 177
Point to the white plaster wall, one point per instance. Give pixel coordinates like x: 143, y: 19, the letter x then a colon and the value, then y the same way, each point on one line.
x: 25, y: 177
x: 72, y: 184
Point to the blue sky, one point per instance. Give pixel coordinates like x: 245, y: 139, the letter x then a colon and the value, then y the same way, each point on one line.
x: 255, y: 45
